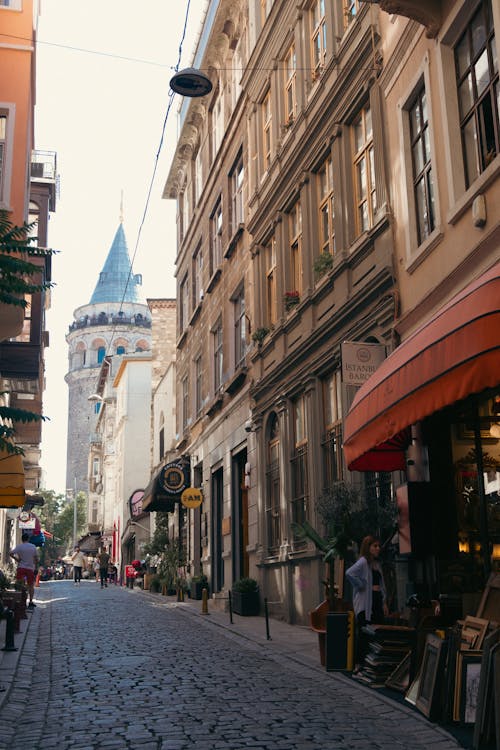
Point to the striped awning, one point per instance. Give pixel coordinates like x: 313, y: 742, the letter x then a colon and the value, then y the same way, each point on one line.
x: 455, y: 354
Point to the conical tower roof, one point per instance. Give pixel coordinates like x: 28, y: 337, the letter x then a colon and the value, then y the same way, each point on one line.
x: 116, y: 281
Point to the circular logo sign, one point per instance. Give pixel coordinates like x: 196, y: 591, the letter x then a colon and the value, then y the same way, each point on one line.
x: 172, y: 479
x: 192, y: 497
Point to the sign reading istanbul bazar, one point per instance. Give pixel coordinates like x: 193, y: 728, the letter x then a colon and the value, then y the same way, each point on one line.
x: 192, y: 497
x: 360, y: 360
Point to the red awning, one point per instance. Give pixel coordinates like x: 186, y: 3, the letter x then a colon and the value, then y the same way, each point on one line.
x: 453, y: 355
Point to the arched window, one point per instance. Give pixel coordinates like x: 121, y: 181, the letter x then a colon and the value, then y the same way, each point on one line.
x: 273, y: 519
x: 101, y: 352
x: 120, y: 350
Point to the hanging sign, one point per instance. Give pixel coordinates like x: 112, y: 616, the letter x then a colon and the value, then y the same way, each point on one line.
x: 192, y: 497
x: 360, y: 360
x: 174, y: 477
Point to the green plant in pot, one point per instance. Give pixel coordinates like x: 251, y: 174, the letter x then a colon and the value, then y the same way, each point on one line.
x: 198, y: 583
x: 245, y: 597
x: 323, y: 263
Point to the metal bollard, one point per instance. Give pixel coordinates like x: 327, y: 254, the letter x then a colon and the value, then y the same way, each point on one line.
x: 204, y: 601
x: 230, y: 608
x: 266, y: 613
x: 8, y: 615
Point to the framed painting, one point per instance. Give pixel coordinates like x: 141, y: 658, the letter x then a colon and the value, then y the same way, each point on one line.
x: 399, y: 679
x: 473, y: 632
x: 467, y: 686
x: 431, y: 663
x: 485, y: 694
x: 489, y: 606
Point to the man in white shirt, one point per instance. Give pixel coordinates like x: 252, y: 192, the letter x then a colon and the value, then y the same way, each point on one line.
x: 26, y: 556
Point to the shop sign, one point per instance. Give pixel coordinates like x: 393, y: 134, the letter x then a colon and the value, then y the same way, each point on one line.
x: 360, y: 361
x: 192, y: 497
x: 26, y: 520
x: 130, y: 571
x: 174, y: 477
x: 136, y: 503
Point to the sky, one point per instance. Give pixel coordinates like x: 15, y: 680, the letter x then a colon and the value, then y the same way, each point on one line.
x: 103, y: 72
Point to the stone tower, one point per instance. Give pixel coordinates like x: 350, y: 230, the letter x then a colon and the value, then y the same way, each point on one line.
x: 116, y: 321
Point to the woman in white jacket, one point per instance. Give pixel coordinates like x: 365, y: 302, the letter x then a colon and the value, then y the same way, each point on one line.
x: 369, y: 594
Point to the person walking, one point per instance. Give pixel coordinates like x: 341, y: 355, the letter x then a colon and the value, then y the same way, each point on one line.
x: 103, y: 558
x: 26, y: 556
x: 369, y: 594
x: 78, y: 560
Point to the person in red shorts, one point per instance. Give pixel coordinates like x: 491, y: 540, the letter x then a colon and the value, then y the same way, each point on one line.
x: 26, y: 556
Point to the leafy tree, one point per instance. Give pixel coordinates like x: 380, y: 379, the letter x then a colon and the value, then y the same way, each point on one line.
x: 48, y: 514
x: 63, y: 522
x: 18, y: 279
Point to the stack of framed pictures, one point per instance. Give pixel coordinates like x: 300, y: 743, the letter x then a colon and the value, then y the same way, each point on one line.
x: 388, y: 646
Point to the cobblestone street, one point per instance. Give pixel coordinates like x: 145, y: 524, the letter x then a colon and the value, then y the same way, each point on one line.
x: 105, y: 669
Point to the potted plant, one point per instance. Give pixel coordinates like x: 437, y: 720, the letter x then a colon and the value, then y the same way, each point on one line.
x: 323, y: 263
x: 291, y: 299
x: 245, y: 597
x: 155, y: 584
x: 198, y: 583
x: 259, y: 335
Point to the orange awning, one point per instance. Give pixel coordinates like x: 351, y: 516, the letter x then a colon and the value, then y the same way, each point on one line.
x: 11, y: 480
x: 453, y: 355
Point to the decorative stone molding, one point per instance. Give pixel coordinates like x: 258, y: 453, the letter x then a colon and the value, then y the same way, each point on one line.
x: 426, y: 12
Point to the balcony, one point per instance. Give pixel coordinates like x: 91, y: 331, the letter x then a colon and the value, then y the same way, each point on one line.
x: 20, y: 364
x: 110, y: 320
x: 44, y: 170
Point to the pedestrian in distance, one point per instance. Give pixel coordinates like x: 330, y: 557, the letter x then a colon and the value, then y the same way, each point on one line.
x: 26, y: 556
x: 97, y: 569
x: 369, y: 593
x: 103, y: 558
x: 78, y: 560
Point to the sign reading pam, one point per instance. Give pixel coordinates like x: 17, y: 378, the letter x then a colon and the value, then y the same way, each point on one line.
x: 174, y: 477
x: 192, y: 497
x: 360, y: 360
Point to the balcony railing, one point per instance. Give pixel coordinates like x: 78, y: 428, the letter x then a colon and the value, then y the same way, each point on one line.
x: 110, y: 320
x: 44, y: 165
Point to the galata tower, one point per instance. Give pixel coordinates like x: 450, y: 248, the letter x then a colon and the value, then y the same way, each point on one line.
x: 116, y: 321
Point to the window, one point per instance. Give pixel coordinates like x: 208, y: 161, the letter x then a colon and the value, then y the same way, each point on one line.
x: 271, y: 273
x: 3, y: 149
x: 197, y: 276
x: 239, y: 329
x: 216, y: 238
x: 326, y: 207
x: 332, y: 429
x: 198, y: 374
x: 364, y: 170
x: 318, y: 37
x: 218, y: 354
x: 12, y: 4
x: 96, y: 466
x: 184, y: 304
x: 423, y: 187
x: 290, y: 85
x: 295, y: 233
x: 476, y: 66
x: 237, y: 177
x: 237, y: 72
x: 273, y: 486
x: 185, y: 402
x: 267, y: 140
x: 101, y: 352
x: 351, y: 10
x: 217, y: 123
x: 198, y: 175
x: 298, y: 462
x: 120, y: 350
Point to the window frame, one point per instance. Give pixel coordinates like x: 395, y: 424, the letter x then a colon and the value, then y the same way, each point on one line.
x: 7, y: 111
x: 267, y: 134
x: 237, y: 181
x: 295, y: 230
x: 318, y: 34
x: 326, y: 202
x: 239, y: 315
x: 216, y: 230
x: 273, y: 486
x: 290, y: 84
x: 364, y: 194
x: 218, y: 355
x: 422, y: 175
x: 270, y: 255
